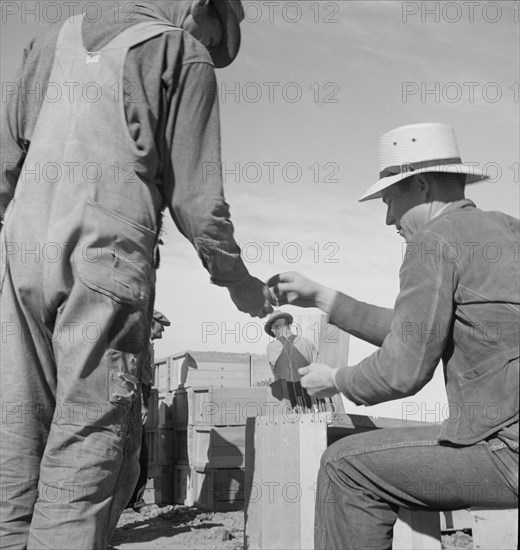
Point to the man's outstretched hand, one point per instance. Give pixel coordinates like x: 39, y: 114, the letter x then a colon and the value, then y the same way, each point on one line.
x: 293, y: 288
x: 252, y: 296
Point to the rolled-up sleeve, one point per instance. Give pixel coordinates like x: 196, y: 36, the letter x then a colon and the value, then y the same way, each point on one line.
x: 197, y: 203
x: 419, y: 330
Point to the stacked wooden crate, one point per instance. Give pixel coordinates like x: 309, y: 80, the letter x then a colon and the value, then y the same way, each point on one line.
x: 197, y: 436
x: 210, y: 426
x: 161, y: 453
x: 203, y: 368
x: 185, y: 436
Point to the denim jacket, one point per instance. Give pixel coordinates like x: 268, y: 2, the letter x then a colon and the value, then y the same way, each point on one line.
x: 459, y: 302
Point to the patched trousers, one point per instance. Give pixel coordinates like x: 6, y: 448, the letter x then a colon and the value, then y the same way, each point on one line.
x: 71, y: 417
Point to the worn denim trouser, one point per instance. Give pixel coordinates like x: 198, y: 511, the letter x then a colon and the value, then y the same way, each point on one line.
x: 71, y: 417
x: 365, y: 478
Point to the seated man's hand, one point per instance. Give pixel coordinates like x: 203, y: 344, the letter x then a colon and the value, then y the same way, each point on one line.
x: 318, y: 379
x: 293, y: 288
x: 252, y: 296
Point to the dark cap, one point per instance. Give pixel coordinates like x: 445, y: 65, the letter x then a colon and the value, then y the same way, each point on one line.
x: 231, y: 14
x: 160, y: 318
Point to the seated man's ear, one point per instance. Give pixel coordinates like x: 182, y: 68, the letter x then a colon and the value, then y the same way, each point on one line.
x: 422, y: 183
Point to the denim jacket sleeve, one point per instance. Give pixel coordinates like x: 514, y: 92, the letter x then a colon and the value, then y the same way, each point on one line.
x: 365, y: 321
x: 419, y: 330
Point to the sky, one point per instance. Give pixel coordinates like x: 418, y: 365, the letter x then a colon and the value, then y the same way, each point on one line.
x: 315, y: 85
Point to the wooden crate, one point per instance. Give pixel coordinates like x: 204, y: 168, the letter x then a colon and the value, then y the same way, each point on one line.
x: 165, y: 411
x: 229, y: 406
x: 196, y: 368
x: 183, y: 492
x: 280, y: 494
x: 219, y: 490
x: 260, y: 370
x: 162, y: 374
x: 182, y: 446
x: 159, y: 489
x: 496, y: 529
x: 210, y: 489
x: 217, y: 446
x: 162, y: 447
x: 211, y: 446
x: 153, y: 409
x: 456, y: 520
x: 207, y: 405
x: 180, y: 409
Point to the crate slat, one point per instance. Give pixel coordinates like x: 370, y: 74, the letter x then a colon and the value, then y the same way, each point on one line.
x: 219, y: 490
x: 210, y: 489
x: 159, y: 488
x: 162, y: 446
x: 497, y: 529
x: 152, y: 418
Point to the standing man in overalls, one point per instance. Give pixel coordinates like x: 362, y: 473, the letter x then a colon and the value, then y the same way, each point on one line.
x: 112, y: 121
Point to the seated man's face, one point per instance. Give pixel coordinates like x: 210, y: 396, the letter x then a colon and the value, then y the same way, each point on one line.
x: 204, y: 24
x: 399, y: 198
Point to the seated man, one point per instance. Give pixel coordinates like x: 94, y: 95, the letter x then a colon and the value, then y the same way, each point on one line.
x: 459, y: 302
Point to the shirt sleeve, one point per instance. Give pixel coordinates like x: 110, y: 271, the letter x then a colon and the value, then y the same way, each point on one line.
x: 197, y: 204
x: 419, y: 331
x: 365, y: 321
x: 311, y: 353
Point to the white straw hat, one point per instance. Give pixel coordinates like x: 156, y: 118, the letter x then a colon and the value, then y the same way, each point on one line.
x: 417, y: 148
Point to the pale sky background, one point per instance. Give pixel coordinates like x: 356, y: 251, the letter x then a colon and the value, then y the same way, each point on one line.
x: 349, y: 62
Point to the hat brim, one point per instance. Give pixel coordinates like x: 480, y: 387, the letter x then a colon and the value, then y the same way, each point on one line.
x: 224, y: 54
x: 275, y: 317
x: 374, y: 191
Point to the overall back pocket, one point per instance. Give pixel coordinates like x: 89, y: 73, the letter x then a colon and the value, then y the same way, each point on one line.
x: 114, y: 255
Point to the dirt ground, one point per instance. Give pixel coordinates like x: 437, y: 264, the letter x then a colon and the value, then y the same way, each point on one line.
x: 178, y: 528
x: 186, y: 528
